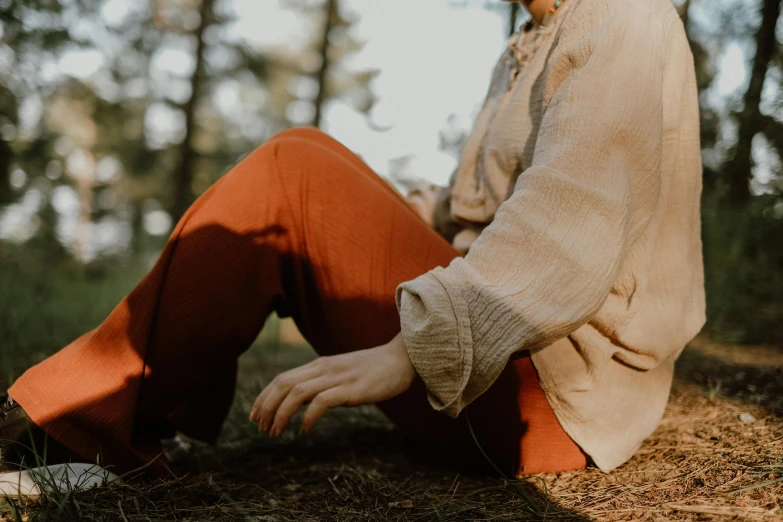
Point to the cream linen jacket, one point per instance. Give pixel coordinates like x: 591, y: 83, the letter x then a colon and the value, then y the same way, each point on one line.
x: 582, y: 180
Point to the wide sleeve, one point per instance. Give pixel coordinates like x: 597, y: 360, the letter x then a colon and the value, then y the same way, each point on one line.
x: 549, y: 259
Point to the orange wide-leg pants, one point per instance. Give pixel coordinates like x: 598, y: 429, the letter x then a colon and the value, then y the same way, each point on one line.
x: 302, y: 227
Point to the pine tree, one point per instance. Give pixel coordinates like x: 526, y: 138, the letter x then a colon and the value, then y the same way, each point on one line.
x: 750, y: 120
x: 304, y: 81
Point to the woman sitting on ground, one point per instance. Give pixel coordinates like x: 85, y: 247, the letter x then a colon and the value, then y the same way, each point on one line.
x: 578, y: 198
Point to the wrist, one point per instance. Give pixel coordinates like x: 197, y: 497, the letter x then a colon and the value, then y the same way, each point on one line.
x: 408, y: 371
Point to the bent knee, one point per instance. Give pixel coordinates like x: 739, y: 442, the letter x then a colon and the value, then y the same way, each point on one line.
x: 296, y: 153
x: 292, y: 144
x: 299, y: 134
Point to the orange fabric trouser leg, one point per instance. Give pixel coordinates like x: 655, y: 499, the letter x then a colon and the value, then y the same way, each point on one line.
x: 303, y: 227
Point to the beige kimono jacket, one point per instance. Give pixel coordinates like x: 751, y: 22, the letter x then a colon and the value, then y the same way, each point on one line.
x: 582, y: 181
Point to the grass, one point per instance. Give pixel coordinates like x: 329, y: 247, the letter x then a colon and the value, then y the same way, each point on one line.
x: 742, y: 261
x: 45, y: 305
x: 703, y: 463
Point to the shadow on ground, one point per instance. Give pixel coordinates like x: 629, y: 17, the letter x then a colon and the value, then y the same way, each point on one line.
x: 358, y: 467
x: 751, y: 375
x: 355, y: 466
x: 370, y: 472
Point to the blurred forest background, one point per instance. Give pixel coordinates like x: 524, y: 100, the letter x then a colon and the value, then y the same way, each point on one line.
x: 116, y: 114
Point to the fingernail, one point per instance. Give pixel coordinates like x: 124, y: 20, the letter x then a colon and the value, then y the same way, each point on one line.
x: 253, y: 415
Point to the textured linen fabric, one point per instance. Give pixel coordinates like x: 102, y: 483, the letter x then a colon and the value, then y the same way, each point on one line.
x: 582, y: 181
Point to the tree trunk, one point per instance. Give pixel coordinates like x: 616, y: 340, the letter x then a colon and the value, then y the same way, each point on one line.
x: 183, y: 175
x: 6, y: 195
x: 773, y: 131
x: 749, y: 121
x: 85, y: 186
x: 513, y: 18
x: 684, y: 12
x: 331, y: 11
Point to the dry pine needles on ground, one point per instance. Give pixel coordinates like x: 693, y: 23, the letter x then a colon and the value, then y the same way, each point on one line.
x: 718, y: 455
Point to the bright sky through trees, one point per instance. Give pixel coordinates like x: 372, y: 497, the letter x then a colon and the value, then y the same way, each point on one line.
x: 435, y: 59
x: 434, y: 56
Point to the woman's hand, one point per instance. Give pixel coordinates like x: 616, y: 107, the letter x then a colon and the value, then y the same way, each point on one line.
x: 351, y: 379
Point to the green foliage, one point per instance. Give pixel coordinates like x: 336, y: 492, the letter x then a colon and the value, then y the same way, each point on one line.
x: 743, y: 258
x: 48, y: 302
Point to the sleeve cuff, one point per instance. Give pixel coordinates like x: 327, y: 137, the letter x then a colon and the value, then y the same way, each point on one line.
x: 435, y: 325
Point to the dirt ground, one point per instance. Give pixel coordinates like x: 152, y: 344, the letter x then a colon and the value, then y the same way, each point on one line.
x: 718, y: 455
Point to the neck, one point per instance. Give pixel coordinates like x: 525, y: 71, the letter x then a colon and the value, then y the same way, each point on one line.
x: 538, y: 8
